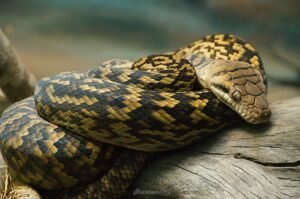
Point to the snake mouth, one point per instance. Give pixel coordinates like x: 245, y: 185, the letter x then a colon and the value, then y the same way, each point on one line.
x: 249, y: 113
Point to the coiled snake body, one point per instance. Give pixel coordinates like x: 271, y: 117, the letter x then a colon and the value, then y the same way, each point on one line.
x: 105, y: 123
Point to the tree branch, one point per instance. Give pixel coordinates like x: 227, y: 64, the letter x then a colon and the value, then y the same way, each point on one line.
x: 16, y: 81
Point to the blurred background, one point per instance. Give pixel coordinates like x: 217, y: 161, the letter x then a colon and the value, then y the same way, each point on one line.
x: 54, y: 36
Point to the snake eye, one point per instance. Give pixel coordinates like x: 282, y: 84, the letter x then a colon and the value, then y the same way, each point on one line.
x: 236, y: 96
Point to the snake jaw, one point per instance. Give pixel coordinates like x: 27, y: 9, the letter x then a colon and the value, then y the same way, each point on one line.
x: 238, y: 85
x: 249, y: 113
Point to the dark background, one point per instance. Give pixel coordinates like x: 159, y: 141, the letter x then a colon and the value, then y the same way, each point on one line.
x: 54, y: 36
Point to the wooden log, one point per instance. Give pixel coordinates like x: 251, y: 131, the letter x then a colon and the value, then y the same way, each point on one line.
x: 244, y: 161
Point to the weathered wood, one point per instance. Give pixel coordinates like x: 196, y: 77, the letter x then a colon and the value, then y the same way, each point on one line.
x: 241, y: 162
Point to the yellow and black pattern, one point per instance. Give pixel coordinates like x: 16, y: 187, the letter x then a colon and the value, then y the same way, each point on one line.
x: 49, y: 156
x: 114, y: 183
x: 225, y: 47
x: 114, y: 113
x: 155, y: 72
x: 104, y: 124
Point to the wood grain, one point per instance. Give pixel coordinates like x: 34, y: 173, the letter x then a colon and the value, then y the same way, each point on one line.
x: 241, y: 162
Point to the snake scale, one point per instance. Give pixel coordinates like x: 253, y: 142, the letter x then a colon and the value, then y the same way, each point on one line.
x: 94, y: 131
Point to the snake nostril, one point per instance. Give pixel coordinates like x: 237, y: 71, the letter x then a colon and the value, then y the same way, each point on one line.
x: 267, y: 114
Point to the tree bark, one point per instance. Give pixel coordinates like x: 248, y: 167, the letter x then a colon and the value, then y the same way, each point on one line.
x: 245, y: 161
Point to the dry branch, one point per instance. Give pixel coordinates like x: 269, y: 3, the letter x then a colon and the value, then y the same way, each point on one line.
x: 15, y: 80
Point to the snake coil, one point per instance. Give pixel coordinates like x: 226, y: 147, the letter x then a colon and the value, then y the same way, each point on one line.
x: 102, y: 125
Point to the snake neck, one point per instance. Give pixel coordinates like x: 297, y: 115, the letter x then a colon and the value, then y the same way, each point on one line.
x: 203, y: 67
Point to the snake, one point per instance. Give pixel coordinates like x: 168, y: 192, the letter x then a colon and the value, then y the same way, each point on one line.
x: 88, y: 135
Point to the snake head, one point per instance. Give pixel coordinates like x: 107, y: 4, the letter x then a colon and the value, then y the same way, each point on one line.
x: 237, y: 84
